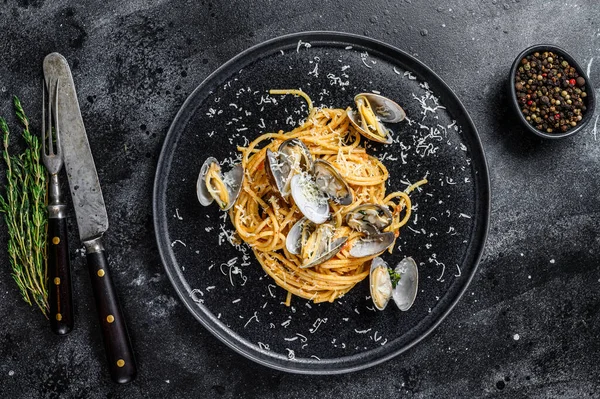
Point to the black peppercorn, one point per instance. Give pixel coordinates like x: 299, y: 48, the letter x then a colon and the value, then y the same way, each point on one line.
x: 550, y: 92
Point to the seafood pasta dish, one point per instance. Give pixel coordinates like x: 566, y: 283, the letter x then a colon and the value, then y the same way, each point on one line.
x: 315, y: 207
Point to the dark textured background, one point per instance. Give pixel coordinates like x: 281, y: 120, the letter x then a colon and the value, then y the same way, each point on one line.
x: 527, y: 327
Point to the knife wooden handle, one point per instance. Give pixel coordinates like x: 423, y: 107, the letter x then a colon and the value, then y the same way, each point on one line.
x: 119, y: 353
x: 59, y: 267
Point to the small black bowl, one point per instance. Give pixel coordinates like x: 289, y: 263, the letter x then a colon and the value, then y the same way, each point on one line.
x: 590, y: 101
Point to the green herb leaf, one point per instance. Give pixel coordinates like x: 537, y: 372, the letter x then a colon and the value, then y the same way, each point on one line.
x: 395, y: 276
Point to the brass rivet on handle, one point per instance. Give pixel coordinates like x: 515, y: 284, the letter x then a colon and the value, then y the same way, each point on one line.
x: 55, y: 240
x: 56, y: 280
x: 101, y: 273
x: 120, y: 363
x: 58, y: 317
x: 110, y: 318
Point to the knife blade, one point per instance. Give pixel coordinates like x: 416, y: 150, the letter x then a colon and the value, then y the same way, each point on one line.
x: 92, y: 219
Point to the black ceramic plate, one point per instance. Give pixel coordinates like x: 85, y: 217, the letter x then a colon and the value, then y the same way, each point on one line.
x: 226, y: 289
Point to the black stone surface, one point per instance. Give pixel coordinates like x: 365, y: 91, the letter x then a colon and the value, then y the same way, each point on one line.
x: 527, y: 327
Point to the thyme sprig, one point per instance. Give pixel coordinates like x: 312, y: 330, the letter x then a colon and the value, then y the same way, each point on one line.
x: 23, y: 206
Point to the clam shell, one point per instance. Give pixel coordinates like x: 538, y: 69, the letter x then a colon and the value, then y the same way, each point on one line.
x: 387, y: 110
x: 369, y: 218
x: 278, y: 172
x: 371, y: 245
x: 202, y: 192
x: 233, y: 180
x: 293, y: 240
x: 406, y: 290
x: 326, y: 246
x: 380, y: 283
x: 331, y: 182
x: 383, y: 109
x: 298, y: 155
x: 311, y: 201
x: 355, y: 120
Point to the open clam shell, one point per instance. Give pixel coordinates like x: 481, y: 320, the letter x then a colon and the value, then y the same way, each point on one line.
x: 382, y: 289
x: 321, y: 246
x: 201, y: 190
x: 311, y: 201
x: 298, y: 235
x: 279, y: 173
x: 331, y: 182
x: 356, y: 121
x: 232, y: 180
x: 371, y: 245
x: 386, y: 110
x: 380, y: 283
x: 369, y: 218
x: 406, y: 290
x: 297, y: 154
x: 292, y: 157
x: 372, y: 111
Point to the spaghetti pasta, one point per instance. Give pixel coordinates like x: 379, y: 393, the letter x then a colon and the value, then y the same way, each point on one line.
x: 263, y: 219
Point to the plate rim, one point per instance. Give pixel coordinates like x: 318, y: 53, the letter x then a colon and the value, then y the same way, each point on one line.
x: 241, y: 346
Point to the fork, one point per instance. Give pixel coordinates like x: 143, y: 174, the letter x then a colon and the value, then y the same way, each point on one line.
x: 61, y: 302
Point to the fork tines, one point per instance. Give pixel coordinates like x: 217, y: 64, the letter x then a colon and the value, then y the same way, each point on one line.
x: 51, y: 148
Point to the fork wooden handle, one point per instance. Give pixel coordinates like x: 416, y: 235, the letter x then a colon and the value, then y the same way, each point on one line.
x: 119, y: 353
x: 59, y: 267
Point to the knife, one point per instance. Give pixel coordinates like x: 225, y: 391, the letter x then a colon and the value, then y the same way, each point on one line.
x: 92, y: 220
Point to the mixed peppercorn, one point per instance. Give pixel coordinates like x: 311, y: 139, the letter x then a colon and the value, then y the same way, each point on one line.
x: 550, y: 92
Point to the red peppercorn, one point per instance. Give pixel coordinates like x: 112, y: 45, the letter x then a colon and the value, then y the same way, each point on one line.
x: 556, y: 117
x: 529, y: 102
x: 544, y: 74
x: 572, y: 82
